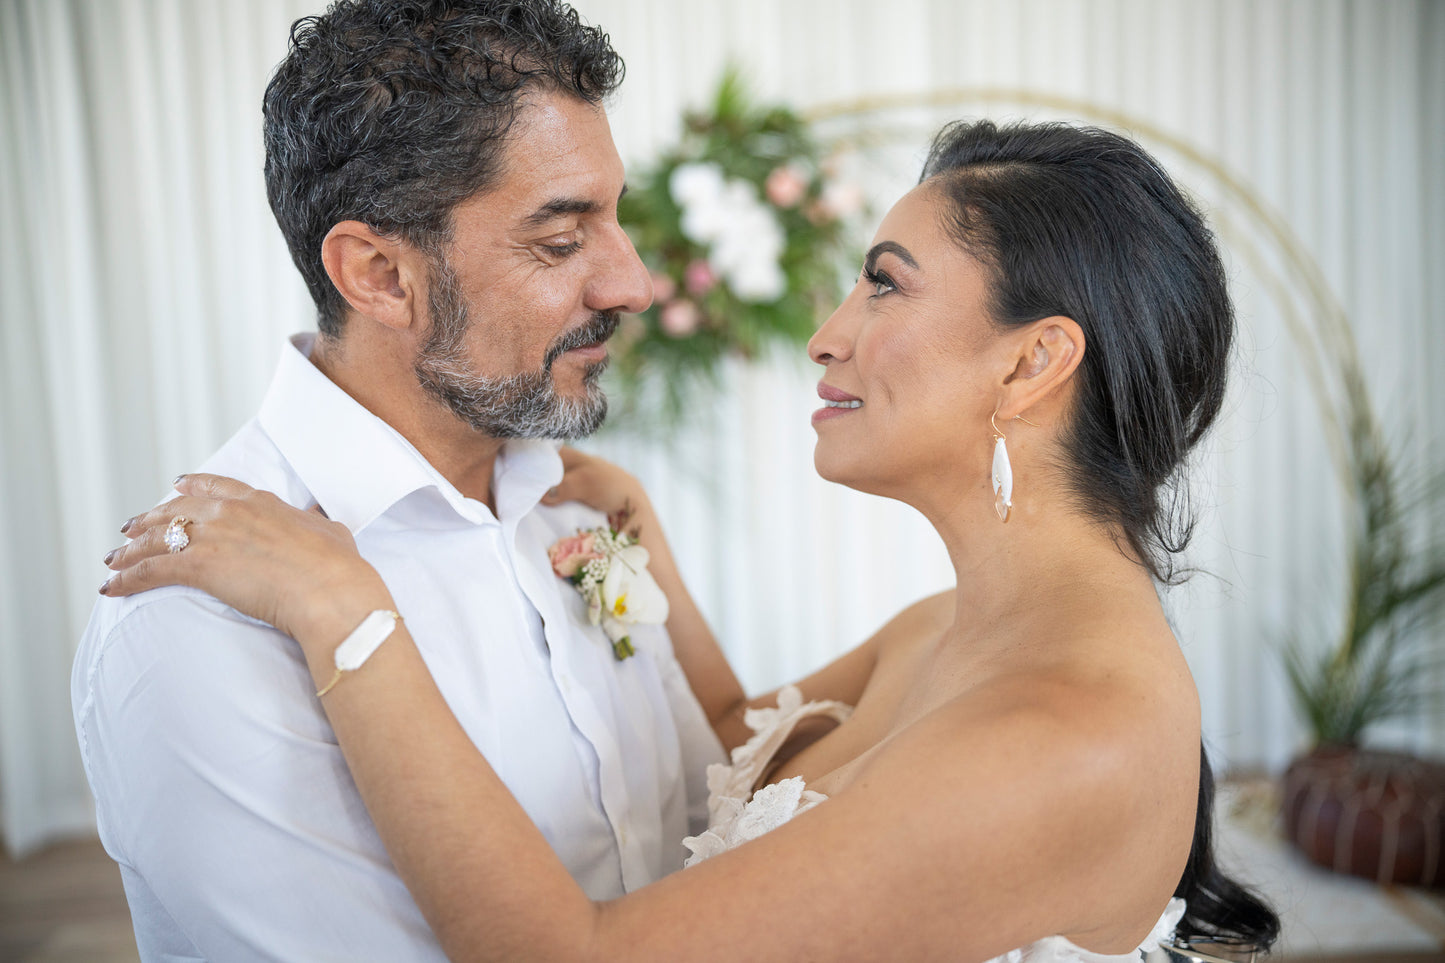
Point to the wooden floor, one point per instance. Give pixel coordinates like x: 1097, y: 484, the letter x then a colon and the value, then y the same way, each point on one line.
x: 64, y: 904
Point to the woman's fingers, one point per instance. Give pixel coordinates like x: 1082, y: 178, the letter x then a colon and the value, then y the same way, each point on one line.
x: 573, y: 463
x: 146, y: 532
x: 594, y: 482
x: 248, y: 548
x: 212, y: 486
x: 199, y: 488
x: 148, y: 572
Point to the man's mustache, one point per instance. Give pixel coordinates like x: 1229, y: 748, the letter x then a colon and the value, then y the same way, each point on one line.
x: 598, y: 328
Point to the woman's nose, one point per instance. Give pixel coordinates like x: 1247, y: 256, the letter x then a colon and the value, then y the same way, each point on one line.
x: 833, y: 340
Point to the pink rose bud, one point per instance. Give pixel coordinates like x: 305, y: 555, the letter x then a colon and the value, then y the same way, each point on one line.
x: 569, y: 554
x: 663, y: 287
x: 698, y: 277
x: 679, y: 318
x: 786, y: 186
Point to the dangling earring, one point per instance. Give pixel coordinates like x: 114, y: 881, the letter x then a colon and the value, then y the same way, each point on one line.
x: 1003, y: 472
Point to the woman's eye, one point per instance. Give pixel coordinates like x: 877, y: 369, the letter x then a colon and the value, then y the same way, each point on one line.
x: 882, y: 283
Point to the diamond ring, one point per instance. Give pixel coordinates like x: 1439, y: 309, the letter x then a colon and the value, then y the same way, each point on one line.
x: 176, y: 537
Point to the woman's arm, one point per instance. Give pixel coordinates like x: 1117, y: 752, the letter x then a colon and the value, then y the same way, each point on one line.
x: 604, y: 486
x: 971, y: 832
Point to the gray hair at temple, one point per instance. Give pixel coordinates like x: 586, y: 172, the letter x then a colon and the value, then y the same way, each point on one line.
x: 392, y: 112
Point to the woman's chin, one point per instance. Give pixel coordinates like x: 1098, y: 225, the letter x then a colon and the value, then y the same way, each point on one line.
x: 834, y: 466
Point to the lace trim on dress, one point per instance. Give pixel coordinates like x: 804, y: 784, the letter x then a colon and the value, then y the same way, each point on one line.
x: 735, y: 813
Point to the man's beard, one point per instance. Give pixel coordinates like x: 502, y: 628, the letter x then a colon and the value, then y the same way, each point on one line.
x: 523, y: 405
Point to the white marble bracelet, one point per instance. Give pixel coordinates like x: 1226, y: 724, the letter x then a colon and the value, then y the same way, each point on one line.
x: 365, y: 639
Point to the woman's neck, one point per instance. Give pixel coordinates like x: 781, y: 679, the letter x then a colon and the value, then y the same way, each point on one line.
x: 1048, y: 555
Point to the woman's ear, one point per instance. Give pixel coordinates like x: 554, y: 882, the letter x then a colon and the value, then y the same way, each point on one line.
x: 376, y: 275
x: 1046, y: 355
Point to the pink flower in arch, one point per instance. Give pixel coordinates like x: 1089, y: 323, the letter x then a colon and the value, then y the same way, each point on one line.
x: 663, y: 287
x: 698, y: 277
x: 679, y: 318
x: 786, y: 185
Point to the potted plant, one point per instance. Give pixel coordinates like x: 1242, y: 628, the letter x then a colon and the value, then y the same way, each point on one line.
x: 1372, y: 813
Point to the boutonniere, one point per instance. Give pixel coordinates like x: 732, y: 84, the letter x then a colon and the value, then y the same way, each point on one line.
x: 609, y: 570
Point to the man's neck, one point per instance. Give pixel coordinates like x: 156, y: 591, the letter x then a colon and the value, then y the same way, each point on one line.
x: 386, y: 387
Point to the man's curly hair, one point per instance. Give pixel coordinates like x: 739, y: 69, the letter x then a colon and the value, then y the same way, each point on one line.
x: 391, y: 112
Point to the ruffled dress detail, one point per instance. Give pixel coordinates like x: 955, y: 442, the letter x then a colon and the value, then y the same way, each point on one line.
x: 737, y: 814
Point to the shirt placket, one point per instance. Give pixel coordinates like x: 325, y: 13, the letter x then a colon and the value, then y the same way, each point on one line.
x: 568, y: 668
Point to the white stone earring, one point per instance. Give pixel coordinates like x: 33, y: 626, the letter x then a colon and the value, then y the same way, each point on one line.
x: 1003, y: 473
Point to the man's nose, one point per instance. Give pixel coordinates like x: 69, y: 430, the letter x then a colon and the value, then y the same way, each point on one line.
x: 623, y: 282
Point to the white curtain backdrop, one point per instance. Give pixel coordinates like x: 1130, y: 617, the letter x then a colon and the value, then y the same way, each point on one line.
x: 144, y: 294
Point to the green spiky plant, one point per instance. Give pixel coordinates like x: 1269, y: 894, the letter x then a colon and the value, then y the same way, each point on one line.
x: 1388, y: 647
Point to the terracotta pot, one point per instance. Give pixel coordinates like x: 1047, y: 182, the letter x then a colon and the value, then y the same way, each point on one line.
x: 1380, y: 815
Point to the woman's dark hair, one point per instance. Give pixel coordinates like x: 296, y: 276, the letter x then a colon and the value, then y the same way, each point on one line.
x: 391, y: 112
x: 1082, y: 222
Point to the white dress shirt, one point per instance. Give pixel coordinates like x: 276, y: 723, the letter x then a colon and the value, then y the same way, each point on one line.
x: 219, y: 786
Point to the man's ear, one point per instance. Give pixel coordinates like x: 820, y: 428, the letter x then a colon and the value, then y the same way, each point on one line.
x: 378, y: 276
x: 1046, y: 354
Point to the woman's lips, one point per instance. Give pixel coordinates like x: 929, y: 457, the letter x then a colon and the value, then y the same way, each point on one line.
x: 836, y: 403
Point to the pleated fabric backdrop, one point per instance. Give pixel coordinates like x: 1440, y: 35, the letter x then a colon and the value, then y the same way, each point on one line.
x: 144, y: 294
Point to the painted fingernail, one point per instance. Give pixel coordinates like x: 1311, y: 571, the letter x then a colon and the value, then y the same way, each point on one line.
x: 178, y: 479
x: 128, y: 523
x: 105, y: 586
x: 110, y: 555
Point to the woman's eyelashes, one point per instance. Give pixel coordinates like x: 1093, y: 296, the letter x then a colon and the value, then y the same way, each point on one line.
x: 881, y: 282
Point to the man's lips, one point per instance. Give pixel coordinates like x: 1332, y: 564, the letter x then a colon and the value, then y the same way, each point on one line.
x: 590, y: 352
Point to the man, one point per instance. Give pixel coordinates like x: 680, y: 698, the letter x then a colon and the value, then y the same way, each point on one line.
x: 446, y: 180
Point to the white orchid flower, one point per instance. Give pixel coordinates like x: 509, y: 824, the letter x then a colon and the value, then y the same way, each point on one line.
x: 630, y: 595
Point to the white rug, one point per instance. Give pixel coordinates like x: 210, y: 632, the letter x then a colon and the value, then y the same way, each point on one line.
x: 1324, y: 913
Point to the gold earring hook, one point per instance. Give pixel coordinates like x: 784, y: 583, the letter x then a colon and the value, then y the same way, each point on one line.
x: 999, y: 434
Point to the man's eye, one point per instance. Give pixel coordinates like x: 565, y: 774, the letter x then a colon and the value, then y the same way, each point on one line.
x: 562, y: 250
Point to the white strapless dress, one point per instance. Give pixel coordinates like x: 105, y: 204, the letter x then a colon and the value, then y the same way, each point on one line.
x: 736, y: 814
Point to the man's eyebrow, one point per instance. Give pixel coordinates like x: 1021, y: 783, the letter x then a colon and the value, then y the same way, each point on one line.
x: 559, y: 207
x: 563, y: 207
x: 889, y: 247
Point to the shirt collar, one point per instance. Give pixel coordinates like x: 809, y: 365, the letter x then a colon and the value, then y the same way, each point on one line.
x: 357, y: 466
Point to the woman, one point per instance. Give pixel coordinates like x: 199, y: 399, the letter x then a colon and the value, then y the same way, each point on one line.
x: 1038, y: 338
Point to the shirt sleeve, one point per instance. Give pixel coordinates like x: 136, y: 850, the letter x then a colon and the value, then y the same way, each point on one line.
x: 223, y: 795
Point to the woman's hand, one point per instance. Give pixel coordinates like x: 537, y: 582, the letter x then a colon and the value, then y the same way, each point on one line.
x: 597, y: 484
x: 294, y: 569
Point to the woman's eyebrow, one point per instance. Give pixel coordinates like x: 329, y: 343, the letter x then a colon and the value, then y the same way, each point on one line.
x: 889, y: 247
